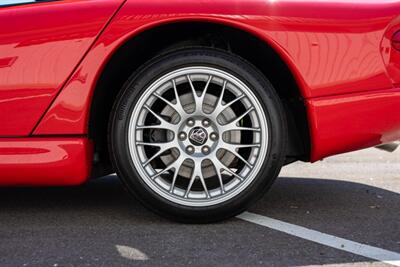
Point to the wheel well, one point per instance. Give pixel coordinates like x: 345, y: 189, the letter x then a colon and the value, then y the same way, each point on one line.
x: 150, y: 43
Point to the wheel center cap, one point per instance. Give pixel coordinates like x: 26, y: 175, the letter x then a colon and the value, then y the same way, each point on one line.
x: 198, y: 136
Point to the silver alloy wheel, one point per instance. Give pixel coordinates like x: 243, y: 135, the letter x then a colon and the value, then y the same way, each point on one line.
x: 198, y: 136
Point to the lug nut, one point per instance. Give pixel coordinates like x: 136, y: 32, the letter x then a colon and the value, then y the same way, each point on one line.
x: 190, y: 122
x: 182, y: 136
x: 190, y: 149
x: 213, y: 136
x: 206, y: 123
x: 205, y: 149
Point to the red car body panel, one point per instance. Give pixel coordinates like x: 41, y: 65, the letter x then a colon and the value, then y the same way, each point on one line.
x: 40, y: 45
x: 339, y: 53
x: 353, y: 121
x: 45, y: 161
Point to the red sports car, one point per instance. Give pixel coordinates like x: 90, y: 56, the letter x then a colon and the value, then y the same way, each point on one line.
x: 195, y: 104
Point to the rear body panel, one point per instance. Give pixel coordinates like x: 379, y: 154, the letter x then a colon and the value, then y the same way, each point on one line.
x: 350, y: 122
x: 40, y: 45
x: 338, y: 51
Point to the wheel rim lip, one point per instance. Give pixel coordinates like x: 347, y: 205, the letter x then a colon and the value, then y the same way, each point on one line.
x: 248, y: 179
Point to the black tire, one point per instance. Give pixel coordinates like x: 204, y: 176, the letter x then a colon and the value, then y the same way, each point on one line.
x: 155, y: 68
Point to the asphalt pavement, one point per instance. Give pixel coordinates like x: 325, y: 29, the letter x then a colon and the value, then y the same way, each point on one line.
x: 353, y: 196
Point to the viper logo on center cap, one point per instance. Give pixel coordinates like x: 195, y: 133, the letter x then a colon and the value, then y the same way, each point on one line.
x: 198, y: 136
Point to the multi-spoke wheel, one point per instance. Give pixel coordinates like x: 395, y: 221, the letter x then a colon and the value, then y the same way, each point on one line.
x: 198, y: 134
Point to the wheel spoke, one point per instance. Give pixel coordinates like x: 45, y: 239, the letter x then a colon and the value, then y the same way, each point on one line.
x: 203, y: 94
x: 163, y: 148
x: 177, y: 107
x: 164, y: 124
x: 218, y: 106
x: 240, y: 128
x: 156, y: 126
x: 235, y: 121
x: 198, y: 100
x: 197, y: 174
x: 161, y: 119
x: 176, y: 164
x: 177, y: 167
x: 192, y: 179
x: 176, y: 171
x: 178, y: 100
x: 233, y: 101
x: 221, y: 107
x: 165, y: 144
x: 218, y: 172
x: 232, y: 126
x: 219, y: 165
x: 231, y: 148
x: 242, y: 145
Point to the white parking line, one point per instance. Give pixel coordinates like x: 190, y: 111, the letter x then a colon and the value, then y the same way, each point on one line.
x: 375, y: 253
